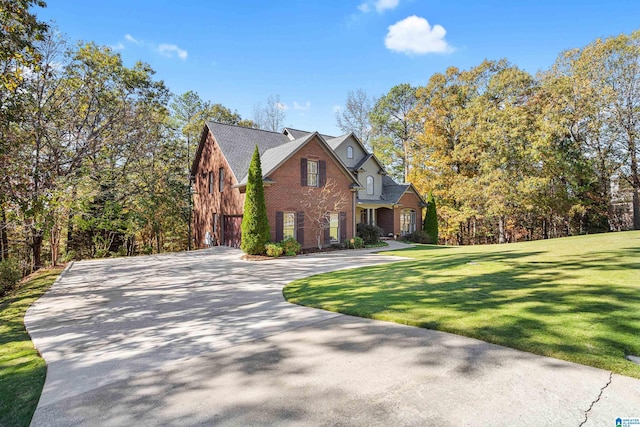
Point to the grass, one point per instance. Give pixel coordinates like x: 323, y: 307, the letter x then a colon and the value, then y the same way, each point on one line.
x: 575, y: 298
x: 22, y: 370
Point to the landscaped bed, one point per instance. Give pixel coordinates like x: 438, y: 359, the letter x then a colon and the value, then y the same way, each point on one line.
x: 575, y: 298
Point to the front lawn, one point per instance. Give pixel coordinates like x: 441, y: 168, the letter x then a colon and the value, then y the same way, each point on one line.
x: 22, y: 370
x: 575, y: 298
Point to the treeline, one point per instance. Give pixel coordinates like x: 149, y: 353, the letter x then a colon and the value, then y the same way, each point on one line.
x: 511, y: 156
x: 95, y: 155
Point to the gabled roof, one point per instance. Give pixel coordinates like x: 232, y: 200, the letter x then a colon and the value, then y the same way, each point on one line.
x: 237, y: 144
x: 393, y: 192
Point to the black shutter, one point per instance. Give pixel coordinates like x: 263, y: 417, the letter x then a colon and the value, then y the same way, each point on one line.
x: 327, y: 231
x: 279, y: 226
x: 303, y: 172
x: 322, y: 173
x: 342, y: 224
x: 300, y: 227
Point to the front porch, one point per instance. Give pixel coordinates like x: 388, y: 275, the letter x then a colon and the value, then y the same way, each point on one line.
x: 394, y: 219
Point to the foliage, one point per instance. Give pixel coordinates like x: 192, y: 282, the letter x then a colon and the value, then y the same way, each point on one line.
x: 291, y: 247
x: 274, y: 249
x: 369, y: 233
x: 271, y: 116
x: 419, y: 236
x: 356, y: 115
x: 255, y: 225
x: 356, y: 243
x: 558, y: 288
x: 430, y: 225
x: 10, y: 274
x: 22, y: 370
x: 393, y: 129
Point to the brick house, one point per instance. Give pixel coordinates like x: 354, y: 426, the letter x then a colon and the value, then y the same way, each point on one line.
x: 294, y: 164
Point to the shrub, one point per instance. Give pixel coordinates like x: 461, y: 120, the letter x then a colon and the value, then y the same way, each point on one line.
x: 255, y: 225
x: 430, y: 225
x: 356, y: 243
x: 10, y: 274
x: 418, y: 236
x: 273, y: 249
x: 370, y: 234
x: 291, y: 247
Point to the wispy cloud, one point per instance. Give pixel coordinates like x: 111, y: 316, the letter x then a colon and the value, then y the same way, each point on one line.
x: 169, y: 50
x: 414, y: 36
x: 378, y: 5
x: 303, y: 107
x: 131, y: 39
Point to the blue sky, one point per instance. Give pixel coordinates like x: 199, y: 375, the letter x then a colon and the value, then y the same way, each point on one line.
x: 313, y: 52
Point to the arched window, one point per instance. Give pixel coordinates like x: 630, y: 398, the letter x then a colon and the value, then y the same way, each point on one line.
x: 349, y: 152
x: 407, y: 221
x: 370, y: 185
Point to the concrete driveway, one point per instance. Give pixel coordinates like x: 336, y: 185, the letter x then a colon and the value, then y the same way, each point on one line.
x: 206, y: 338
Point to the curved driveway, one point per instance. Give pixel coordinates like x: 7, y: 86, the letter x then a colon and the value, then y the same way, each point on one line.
x: 205, y: 338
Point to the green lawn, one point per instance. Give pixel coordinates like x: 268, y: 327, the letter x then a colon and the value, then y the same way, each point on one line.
x: 575, y: 298
x: 22, y: 370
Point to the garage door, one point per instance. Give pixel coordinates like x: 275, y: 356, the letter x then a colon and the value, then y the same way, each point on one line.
x: 231, y: 230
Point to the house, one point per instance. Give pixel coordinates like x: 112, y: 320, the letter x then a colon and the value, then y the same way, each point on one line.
x: 295, y: 163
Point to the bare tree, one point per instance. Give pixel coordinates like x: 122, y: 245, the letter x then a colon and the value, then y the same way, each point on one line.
x: 270, y: 116
x: 318, y: 203
x: 355, y: 116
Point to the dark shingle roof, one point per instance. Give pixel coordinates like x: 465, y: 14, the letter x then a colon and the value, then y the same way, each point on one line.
x: 274, y: 157
x: 392, y: 191
x: 297, y: 133
x: 237, y: 144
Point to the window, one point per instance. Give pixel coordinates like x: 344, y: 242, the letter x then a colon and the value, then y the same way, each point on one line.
x: 288, y: 225
x: 407, y: 221
x: 334, y: 227
x: 349, y: 152
x: 370, y: 185
x: 221, y: 180
x: 210, y: 182
x: 312, y: 173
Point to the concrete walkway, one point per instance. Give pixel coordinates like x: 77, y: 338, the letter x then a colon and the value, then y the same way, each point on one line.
x: 206, y: 338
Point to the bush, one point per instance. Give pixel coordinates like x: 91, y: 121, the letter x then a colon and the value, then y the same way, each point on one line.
x: 430, y: 225
x: 273, y: 249
x: 370, y: 234
x: 10, y: 274
x: 255, y: 225
x: 291, y: 247
x: 418, y: 236
x: 355, y: 243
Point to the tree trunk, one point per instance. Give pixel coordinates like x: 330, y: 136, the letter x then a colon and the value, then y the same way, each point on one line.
x: 4, y: 239
x: 545, y: 228
x: 36, y: 248
x: 501, y: 238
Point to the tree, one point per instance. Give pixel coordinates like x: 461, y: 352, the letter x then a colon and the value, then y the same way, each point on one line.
x: 394, y: 129
x: 255, y: 225
x: 318, y: 203
x: 356, y: 115
x: 271, y: 116
x: 430, y: 225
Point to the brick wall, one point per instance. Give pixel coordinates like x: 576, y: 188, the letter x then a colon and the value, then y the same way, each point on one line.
x: 287, y: 192
x: 228, y: 202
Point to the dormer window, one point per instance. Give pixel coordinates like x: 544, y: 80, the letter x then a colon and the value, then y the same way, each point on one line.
x: 349, y: 152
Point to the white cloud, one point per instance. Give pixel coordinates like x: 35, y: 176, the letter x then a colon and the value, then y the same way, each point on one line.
x: 379, y: 5
x: 169, y: 49
x: 414, y: 35
x: 282, y: 107
x: 336, y: 109
x: 130, y: 38
x: 297, y: 106
x: 118, y: 46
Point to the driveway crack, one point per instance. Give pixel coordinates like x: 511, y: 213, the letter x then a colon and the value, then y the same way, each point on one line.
x: 586, y: 413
